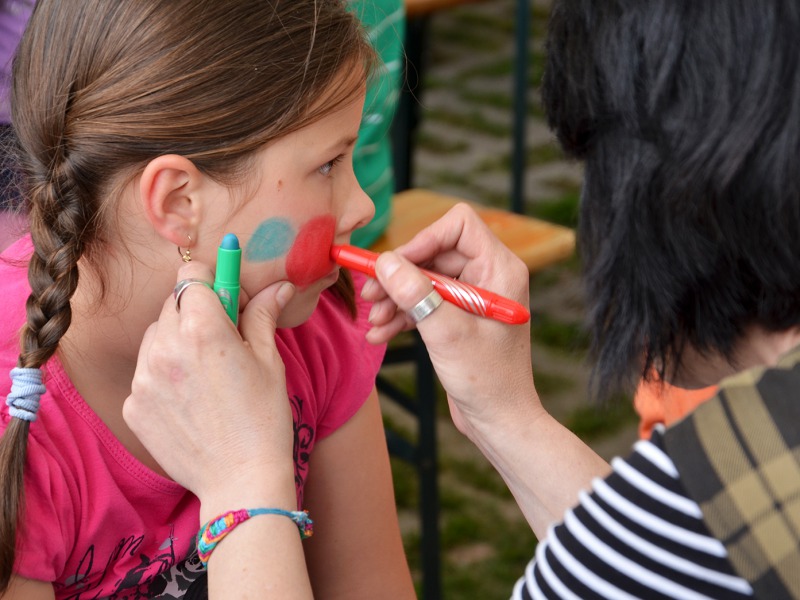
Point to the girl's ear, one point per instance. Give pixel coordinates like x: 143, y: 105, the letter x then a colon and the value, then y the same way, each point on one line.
x: 169, y: 191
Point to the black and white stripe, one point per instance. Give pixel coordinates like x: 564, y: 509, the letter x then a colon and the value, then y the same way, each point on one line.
x: 636, y: 535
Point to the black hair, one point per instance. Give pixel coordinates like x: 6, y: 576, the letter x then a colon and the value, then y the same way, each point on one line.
x: 687, y: 116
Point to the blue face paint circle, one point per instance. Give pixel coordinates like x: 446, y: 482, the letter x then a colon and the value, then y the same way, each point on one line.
x: 271, y: 240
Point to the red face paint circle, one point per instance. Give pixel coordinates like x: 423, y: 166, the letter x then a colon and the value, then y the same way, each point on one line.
x: 309, y: 257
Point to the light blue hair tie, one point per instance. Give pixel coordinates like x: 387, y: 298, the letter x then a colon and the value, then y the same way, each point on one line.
x: 26, y: 388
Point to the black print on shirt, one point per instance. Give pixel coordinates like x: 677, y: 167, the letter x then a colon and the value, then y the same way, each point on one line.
x: 84, y: 583
x: 152, y: 578
x: 159, y: 578
x: 303, y: 439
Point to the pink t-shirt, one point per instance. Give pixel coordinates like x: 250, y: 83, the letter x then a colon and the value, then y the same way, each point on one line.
x: 97, y: 522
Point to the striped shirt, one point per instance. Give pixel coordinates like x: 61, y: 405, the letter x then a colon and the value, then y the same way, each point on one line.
x: 637, y: 534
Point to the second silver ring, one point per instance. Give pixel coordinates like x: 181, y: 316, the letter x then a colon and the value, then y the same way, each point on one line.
x: 425, y: 307
x: 181, y: 286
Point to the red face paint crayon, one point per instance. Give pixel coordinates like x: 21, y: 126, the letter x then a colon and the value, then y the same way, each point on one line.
x: 467, y: 297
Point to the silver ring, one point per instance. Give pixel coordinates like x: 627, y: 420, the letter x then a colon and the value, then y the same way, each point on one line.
x: 181, y: 286
x: 425, y: 306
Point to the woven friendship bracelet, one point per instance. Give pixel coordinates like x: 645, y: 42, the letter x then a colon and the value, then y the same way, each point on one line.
x: 212, y: 532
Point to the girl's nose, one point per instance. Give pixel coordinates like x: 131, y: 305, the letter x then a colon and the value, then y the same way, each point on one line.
x: 358, y: 209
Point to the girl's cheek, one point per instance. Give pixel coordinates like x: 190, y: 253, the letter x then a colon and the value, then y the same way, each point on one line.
x: 309, y: 257
x: 271, y: 240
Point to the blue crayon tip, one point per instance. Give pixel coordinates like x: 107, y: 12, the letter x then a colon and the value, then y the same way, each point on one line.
x: 230, y: 242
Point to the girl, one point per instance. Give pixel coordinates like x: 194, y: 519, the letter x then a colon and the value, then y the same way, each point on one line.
x: 144, y: 126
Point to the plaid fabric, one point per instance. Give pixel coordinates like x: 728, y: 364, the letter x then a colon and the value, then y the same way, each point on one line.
x: 738, y: 456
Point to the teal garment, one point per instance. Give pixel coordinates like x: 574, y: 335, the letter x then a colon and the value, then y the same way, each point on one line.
x: 384, y: 21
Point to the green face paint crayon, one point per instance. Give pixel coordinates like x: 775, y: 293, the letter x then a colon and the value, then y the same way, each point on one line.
x: 226, y: 280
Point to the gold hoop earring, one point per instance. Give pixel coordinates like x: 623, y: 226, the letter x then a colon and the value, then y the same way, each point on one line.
x: 186, y: 255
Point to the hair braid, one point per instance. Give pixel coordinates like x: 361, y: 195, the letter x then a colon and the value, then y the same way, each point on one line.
x: 59, y: 226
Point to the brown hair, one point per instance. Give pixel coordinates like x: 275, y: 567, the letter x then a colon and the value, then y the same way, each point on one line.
x: 100, y: 88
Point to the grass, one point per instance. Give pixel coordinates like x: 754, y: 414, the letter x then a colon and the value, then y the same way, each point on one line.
x: 478, y: 474
x: 474, y: 121
x: 558, y: 335
x: 592, y: 422
x: 563, y: 211
x: 495, y: 69
x: 537, y: 155
x: 438, y: 145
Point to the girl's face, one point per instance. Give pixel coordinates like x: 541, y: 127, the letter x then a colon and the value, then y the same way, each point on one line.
x: 305, y: 199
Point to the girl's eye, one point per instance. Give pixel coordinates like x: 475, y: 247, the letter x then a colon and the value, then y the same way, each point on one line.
x: 328, y: 166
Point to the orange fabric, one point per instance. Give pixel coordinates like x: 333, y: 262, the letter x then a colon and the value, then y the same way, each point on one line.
x: 658, y: 402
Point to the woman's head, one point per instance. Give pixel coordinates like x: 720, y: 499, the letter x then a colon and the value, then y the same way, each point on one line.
x: 687, y: 115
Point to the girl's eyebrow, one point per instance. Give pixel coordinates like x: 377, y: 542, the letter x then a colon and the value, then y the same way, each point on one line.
x: 346, y: 141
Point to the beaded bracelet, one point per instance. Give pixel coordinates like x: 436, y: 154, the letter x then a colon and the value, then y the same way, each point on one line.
x: 217, y: 528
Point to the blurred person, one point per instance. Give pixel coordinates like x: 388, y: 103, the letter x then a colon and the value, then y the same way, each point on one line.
x: 384, y: 21
x: 14, y: 15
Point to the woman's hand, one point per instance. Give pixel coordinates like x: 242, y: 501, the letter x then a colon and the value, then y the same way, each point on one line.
x: 484, y: 365
x: 210, y: 405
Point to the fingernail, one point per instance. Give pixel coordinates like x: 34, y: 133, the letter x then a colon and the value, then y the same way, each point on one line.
x: 284, y: 294
x: 388, y: 263
x: 372, y: 314
x: 368, y: 285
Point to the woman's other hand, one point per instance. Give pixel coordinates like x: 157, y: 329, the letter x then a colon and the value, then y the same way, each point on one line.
x: 210, y: 404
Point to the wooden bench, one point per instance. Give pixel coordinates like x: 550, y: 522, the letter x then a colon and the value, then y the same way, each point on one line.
x: 421, y: 8
x: 539, y: 244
